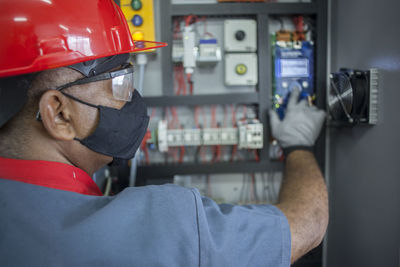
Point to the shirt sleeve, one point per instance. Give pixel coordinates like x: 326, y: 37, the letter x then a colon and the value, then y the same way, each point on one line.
x: 250, y: 235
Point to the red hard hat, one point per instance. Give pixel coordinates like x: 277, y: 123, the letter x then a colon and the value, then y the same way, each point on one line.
x: 42, y: 34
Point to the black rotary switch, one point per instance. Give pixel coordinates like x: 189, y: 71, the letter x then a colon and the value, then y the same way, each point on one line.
x: 240, y: 35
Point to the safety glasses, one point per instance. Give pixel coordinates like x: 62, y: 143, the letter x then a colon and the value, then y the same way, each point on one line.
x: 121, y: 80
x: 122, y: 83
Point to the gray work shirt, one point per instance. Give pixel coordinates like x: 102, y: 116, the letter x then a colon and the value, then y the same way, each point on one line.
x: 144, y: 226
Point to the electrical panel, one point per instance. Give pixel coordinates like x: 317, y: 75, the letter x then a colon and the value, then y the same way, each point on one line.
x: 241, y: 69
x: 240, y: 35
x: 140, y: 17
x: 209, y: 118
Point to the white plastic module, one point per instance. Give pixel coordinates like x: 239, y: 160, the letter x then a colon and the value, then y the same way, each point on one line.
x: 249, y: 135
x: 162, y: 136
x: 228, y: 136
x: 211, y: 136
x: 189, y: 58
x: 241, y: 69
x: 240, y: 35
x: 209, y: 52
x: 192, y: 137
x: 175, y: 137
x: 177, y: 51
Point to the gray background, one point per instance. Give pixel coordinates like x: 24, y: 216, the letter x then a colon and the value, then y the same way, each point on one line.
x: 365, y: 167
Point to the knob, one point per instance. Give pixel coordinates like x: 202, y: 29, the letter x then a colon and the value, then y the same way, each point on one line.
x: 136, y: 4
x: 137, y: 20
x: 240, y: 35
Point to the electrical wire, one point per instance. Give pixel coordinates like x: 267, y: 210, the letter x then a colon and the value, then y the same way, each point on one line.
x: 256, y: 156
x: 190, y: 19
x: 107, y: 190
x: 189, y: 79
x: 252, y: 189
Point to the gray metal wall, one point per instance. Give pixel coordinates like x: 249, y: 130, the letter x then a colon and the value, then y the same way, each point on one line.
x: 364, y: 228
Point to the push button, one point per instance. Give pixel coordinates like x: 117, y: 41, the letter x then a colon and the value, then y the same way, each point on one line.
x: 241, y: 69
x: 136, y: 4
x: 137, y: 20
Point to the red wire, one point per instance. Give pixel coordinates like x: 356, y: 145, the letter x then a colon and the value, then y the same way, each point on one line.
x: 182, y: 154
x: 177, y: 82
x: 234, y: 149
x: 213, y: 116
x: 153, y: 113
x: 188, y: 19
x: 146, y: 154
x: 257, y: 157
x: 196, y: 117
x: 182, y: 77
x: 189, y: 79
x: 173, y: 151
x: 225, y: 117
x: 299, y: 23
x: 175, y: 117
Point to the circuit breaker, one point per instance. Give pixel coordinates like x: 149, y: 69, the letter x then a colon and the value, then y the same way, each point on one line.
x: 241, y: 69
x: 240, y: 35
x: 140, y: 17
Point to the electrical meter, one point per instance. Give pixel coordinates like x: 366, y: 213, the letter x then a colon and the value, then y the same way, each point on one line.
x: 293, y: 68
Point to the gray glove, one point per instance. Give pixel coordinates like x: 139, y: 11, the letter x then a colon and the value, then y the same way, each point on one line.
x: 301, y: 125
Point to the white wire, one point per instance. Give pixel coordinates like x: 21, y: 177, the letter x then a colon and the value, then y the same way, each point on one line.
x: 141, y: 78
x: 108, y: 186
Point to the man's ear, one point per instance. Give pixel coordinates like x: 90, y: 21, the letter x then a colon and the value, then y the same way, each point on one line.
x: 55, y: 112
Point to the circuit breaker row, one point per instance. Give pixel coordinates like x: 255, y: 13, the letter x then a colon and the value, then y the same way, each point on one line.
x: 245, y: 136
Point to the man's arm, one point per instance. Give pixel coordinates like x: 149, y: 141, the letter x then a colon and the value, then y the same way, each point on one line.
x: 303, y: 197
x: 304, y: 201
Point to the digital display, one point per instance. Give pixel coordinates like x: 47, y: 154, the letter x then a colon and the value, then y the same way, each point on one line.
x: 294, y: 67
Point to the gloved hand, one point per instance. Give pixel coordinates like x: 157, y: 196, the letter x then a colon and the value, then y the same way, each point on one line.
x: 301, y: 125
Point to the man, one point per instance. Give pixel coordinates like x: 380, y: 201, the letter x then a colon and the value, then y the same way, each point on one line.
x: 67, y: 108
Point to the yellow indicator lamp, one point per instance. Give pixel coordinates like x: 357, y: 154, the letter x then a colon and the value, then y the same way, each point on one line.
x: 241, y: 69
x: 138, y: 36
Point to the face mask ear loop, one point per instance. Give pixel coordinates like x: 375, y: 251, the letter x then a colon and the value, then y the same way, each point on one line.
x: 82, y: 102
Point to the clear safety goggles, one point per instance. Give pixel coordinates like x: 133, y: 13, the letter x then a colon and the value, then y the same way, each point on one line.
x: 121, y: 80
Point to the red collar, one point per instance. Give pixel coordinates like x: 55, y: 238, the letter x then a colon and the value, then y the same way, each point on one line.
x: 48, y: 174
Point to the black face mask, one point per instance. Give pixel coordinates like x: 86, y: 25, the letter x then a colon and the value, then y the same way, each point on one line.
x: 119, y: 132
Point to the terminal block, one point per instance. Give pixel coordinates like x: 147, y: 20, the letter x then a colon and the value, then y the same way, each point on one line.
x: 248, y: 135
